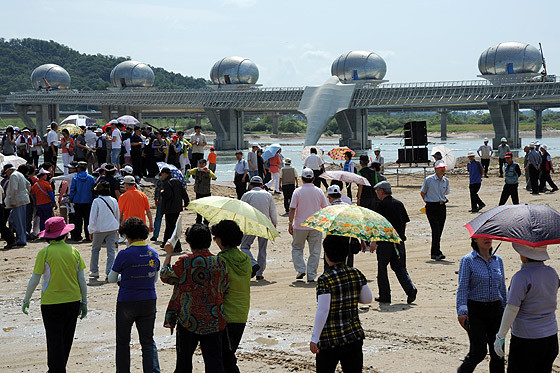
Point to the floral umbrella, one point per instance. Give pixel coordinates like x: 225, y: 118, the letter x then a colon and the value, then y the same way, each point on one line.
x: 72, y: 129
x: 352, y: 221
x: 338, y: 153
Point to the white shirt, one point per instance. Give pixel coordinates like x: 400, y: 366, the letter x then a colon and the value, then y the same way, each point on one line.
x: 117, y: 139
x: 34, y: 141
x: 52, y: 138
x: 313, y: 161
x: 127, y: 146
x: 101, y: 219
x: 90, y: 138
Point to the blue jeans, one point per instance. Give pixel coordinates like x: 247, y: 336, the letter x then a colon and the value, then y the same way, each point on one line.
x: 115, y: 153
x: 110, y: 239
x: 143, y: 313
x: 157, y: 221
x: 18, y: 219
x: 253, y: 173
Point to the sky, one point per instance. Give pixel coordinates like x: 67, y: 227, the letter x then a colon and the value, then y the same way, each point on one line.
x: 293, y: 43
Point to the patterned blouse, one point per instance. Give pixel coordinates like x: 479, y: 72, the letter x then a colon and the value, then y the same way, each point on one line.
x: 200, y: 283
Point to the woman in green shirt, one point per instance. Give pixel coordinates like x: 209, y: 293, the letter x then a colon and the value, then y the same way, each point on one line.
x: 64, y: 295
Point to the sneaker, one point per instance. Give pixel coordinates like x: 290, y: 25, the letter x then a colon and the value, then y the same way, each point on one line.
x: 254, y: 270
x: 483, y: 205
x: 153, y: 239
x: 411, y: 296
x: 10, y: 246
x: 300, y: 275
x: 94, y: 274
x: 438, y: 257
x: 260, y: 278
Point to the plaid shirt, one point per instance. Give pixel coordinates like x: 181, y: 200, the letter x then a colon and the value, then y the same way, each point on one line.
x: 344, y: 284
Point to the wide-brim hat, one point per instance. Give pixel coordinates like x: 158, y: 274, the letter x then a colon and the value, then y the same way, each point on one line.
x: 535, y: 253
x: 471, y: 154
x: 56, y: 227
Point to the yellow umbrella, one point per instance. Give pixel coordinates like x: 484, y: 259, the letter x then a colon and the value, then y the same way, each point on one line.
x: 250, y: 220
x: 72, y: 129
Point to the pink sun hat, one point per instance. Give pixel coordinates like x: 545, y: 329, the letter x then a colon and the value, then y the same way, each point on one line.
x: 55, y: 227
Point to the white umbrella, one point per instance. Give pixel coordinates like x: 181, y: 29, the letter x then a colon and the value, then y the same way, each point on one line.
x: 447, y: 155
x: 78, y: 120
x: 11, y: 159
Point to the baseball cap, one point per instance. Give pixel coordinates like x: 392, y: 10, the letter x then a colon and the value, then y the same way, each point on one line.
x: 503, y: 139
x: 440, y: 164
x: 43, y: 172
x: 377, y: 148
x: 537, y: 143
x: 288, y: 161
x: 129, y: 179
x: 212, y: 148
x: 485, y: 139
x: 509, y: 155
x: 471, y: 154
x: 99, y: 130
x: 333, y: 189
x: 128, y: 169
x: 256, y: 180
x: 385, y: 185
x: 307, y: 173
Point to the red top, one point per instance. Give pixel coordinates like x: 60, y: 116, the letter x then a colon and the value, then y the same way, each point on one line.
x: 274, y: 163
x: 63, y: 143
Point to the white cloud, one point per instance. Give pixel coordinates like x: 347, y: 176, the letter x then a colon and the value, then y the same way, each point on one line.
x: 386, y: 53
x: 317, y: 54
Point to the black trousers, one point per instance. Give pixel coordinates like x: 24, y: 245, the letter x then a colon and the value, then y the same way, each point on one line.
x: 387, y: 254
x: 60, y: 324
x: 288, y: 191
x: 534, y: 178
x: 170, y: 223
x: 319, y: 180
x: 501, y: 161
x: 137, y: 164
x: 484, y: 323
x: 143, y: 314
x: 436, y: 214
x: 210, y: 345
x: 240, y: 185
x: 230, y: 341
x: 7, y: 233
x: 349, y: 190
x: 350, y: 356
x: 485, y: 164
x: 35, y: 158
x: 198, y: 216
x: 49, y: 156
x: 81, y: 217
x: 545, y: 178
x: 476, y: 202
x: 195, y: 158
x: 509, y: 190
x: 532, y: 355
x: 370, y: 203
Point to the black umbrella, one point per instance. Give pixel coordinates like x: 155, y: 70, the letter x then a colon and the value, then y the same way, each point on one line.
x: 530, y: 225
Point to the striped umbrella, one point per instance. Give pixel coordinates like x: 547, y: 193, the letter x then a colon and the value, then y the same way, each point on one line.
x: 529, y: 225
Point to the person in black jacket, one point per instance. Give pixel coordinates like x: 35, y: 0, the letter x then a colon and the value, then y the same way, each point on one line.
x: 171, y: 195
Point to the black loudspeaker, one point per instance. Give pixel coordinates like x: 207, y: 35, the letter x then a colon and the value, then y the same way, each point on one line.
x: 413, y: 155
x: 415, y: 133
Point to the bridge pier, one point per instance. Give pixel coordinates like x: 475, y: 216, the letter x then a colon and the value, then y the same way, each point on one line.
x: 44, y: 115
x: 228, y: 125
x: 275, y: 117
x: 353, y: 124
x: 443, y: 131
x: 538, y: 122
x: 505, y: 118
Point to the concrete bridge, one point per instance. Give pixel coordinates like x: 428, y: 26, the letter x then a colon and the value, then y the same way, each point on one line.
x: 225, y: 108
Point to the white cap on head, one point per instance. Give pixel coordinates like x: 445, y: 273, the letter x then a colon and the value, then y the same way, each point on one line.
x: 535, y: 253
x: 128, y: 169
x: 129, y: 179
x: 486, y: 139
x: 531, y: 144
x: 377, y: 148
x: 333, y: 189
x: 256, y: 144
x: 307, y: 173
x: 503, y: 139
x: 537, y: 143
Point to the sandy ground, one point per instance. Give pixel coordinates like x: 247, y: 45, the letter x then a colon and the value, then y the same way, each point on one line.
x: 422, y: 337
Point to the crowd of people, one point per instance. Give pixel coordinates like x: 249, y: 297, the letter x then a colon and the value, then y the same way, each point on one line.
x: 100, y: 196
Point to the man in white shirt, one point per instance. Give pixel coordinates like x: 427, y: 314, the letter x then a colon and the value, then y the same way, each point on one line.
x: 306, y: 200
x: 264, y: 202
x: 485, y: 152
x: 52, y: 141
x: 317, y: 165
x: 198, y: 141
x: 116, y: 143
x: 379, y: 158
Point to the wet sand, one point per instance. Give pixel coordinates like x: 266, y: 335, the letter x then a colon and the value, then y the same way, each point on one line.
x: 422, y: 337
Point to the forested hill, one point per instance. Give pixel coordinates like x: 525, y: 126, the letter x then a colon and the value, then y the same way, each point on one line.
x: 18, y: 58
